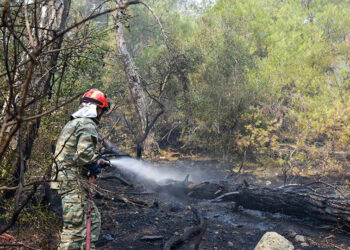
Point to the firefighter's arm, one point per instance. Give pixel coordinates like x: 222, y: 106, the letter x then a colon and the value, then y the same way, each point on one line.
x: 86, y: 146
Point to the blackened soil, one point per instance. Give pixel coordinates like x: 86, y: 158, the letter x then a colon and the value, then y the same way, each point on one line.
x: 124, y: 225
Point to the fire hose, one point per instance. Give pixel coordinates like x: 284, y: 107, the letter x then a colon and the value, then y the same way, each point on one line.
x: 88, y: 215
x: 110, y: 151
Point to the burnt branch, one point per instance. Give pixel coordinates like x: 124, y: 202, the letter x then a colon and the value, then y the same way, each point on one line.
x: 165, y: 37
x: 189, y: 232
x: 31, y: 40
x: 33, y: 117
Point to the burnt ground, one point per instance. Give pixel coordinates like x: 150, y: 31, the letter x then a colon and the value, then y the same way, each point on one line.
x: 160, y: 215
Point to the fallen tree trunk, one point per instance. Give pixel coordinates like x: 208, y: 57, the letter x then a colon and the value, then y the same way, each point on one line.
x: 296, y: 200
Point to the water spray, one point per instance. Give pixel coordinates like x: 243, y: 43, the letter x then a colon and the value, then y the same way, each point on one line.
x: 124, y: 163
x: 145, y: 170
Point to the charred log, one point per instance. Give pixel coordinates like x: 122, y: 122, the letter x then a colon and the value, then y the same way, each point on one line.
x: 295, y: 200
x: 298, y: 201
x: 137, y: 203
x: 181, y: 189
x: 205, y: 190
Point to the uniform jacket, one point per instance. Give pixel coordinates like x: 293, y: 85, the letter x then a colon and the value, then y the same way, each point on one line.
x: 76, y: 147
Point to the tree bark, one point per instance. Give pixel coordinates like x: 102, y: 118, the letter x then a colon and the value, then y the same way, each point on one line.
x: 137, y: 92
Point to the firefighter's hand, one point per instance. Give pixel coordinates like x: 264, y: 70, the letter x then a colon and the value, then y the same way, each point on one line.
x: 104, y: 162
x: 94, y: 169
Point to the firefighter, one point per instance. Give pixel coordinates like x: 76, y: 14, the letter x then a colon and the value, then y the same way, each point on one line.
x: 76, y: 160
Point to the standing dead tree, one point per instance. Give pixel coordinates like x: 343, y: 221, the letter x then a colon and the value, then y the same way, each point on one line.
x: 144, y: 137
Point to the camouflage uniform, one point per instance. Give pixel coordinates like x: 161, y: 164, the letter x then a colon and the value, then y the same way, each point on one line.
x: 76, y: 147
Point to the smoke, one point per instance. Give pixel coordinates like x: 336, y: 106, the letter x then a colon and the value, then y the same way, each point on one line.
x: 146, y: 171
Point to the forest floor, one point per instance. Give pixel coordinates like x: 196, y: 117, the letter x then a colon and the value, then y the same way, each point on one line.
x: 125, y: 226
x: 147, y: 219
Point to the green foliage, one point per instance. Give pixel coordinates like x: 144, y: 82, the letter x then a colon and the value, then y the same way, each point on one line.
x: 246, y: 75
x: 257, y: 135
x: 288, y: 60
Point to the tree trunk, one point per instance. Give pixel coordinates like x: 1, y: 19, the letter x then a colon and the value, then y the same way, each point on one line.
x: 296, y: 200
x: 150, y: 146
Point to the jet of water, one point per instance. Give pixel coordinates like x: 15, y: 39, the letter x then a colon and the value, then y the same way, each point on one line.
x: 146, y: 170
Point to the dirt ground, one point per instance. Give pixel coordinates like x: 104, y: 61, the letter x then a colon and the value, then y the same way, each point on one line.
x: 159, y: 216
x: 139, y: 217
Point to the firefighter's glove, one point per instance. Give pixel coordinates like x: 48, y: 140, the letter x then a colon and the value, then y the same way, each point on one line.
x: 104, y: 162
x: 93, y: 169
